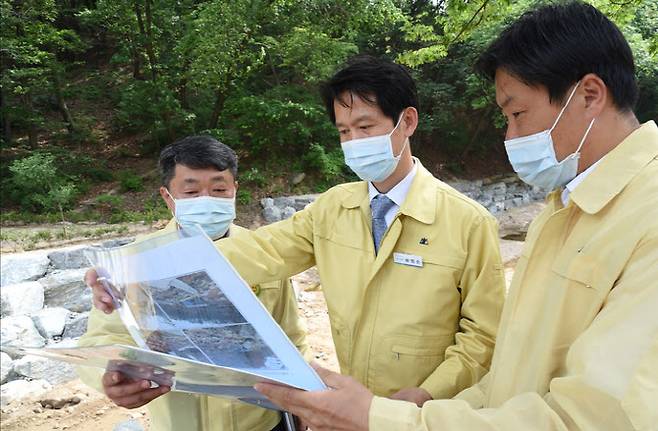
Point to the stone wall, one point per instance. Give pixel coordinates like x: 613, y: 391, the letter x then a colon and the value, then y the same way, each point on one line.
x: 43, y: 302
x: 496, y: 194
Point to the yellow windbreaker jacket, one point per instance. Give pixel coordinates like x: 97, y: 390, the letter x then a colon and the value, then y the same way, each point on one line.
x: 394, y: 325
x: 578, y: 343
x: 182, y: 411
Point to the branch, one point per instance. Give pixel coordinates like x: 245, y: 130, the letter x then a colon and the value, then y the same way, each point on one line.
x: 470, y: 21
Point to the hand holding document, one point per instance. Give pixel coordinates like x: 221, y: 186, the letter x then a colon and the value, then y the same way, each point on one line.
x: 197, y: 325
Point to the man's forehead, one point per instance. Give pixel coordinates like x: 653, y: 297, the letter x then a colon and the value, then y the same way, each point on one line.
x: 350, y: 107
x: 348, y: 99
x: 187, y: 174
x: 512, y: 90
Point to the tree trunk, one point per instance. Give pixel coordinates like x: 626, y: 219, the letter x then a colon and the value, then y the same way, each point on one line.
x: 220, y: 98
x: 61, y: 213
x: 61, y: 103
x: 136, y: 59
x: 482, y: 121
x: 145, y: 33
x: 182, y: 85
x: 31, y: 128
x: 6, y: 120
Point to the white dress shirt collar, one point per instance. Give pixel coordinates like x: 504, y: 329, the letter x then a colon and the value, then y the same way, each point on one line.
x: 571, y: 186
x: 397, y: 194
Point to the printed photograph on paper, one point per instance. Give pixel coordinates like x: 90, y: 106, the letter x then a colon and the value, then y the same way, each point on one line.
x: 189, y: 316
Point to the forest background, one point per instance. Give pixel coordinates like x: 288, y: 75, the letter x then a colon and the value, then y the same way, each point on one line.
x: 92, y: 90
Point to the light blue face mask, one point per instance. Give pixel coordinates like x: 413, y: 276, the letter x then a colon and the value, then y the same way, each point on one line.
x: 213, y: 215
x: 533, y: 157
x: 372, y: 158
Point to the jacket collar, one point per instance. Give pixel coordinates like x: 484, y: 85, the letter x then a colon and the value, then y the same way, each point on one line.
x: 420, y: 203
x: 617, y: 169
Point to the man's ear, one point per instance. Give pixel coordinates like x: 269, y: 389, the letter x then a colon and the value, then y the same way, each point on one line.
x: 596, y: 95
x: 168, y: 200
x: 410, y: 120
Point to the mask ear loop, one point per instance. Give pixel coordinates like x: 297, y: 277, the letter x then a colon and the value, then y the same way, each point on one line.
x: 564, y: 107
x: 173, y: 213
x: 397, y: 124
x: 582, y: 141
x: 406, y: 140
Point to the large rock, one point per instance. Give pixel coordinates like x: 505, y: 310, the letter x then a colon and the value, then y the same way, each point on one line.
x: 76, y: 325
x: 117, y: 242
x: 17, y: 389
x: 64, y: 343
x: 51, y: 321
x: 271, y: 214
x: 284, y: 201
x: 267, y: 202
x: 21, y: 298
x: 67, y: 289
x: 302, y: 201
x: 20, y: 331
x: 514, y: 223
x: 35, y: 367
x: 22, y: 267
x: 287, y: 213
x: 6, y: 367
x: 69, y: 259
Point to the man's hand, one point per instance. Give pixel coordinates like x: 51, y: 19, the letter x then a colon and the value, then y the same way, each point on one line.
x: 129, y: 393
x: 101, y: 299
x: 415, y: 395
x: 343, y: 407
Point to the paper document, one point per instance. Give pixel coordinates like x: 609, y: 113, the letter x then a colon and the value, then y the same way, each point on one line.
x: 198, y: 326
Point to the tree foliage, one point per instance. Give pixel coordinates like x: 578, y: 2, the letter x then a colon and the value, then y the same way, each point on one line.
x: 247, y: 71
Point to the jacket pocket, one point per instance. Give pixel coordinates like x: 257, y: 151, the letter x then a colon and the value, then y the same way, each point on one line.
x: 577, y: 290
x: 584, y: 270
x: 405, y: 361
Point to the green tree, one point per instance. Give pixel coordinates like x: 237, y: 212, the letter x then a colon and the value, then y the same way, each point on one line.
x: 32, y: 46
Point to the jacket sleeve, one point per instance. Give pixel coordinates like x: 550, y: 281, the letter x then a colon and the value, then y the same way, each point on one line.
x: 102, y: 329
x: 611, y: 382
x: 273, y: 252
x: 286, y: 313
x: 482, y: 288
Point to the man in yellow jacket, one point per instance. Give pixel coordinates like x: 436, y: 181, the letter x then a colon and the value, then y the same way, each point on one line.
x: 578, y: 343
x: 199, y: 186
x: 410, y: 268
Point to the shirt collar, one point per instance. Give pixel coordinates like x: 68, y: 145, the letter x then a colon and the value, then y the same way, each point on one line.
x: 399, y: 192
x: 571, y: 186
x: 420, y: 202
x: 617, y: 169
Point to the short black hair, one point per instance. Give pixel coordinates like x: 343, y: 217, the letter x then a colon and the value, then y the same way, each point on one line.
x: 375, y: 80
x: 556, y: 45
x: 196, y: 152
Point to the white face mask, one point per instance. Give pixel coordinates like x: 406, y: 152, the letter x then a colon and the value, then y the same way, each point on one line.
x: 533, y: 157
x: 372, y: 158
x: 213, y: 215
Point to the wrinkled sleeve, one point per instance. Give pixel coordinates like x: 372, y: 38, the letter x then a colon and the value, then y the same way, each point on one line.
x: 482, y: 289
x: 285, y: 312
x: 102, y: 329
x: 273, y: 252
x: 611, y: 383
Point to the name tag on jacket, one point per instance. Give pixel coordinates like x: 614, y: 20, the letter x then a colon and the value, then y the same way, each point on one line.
x: 408, y: 259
